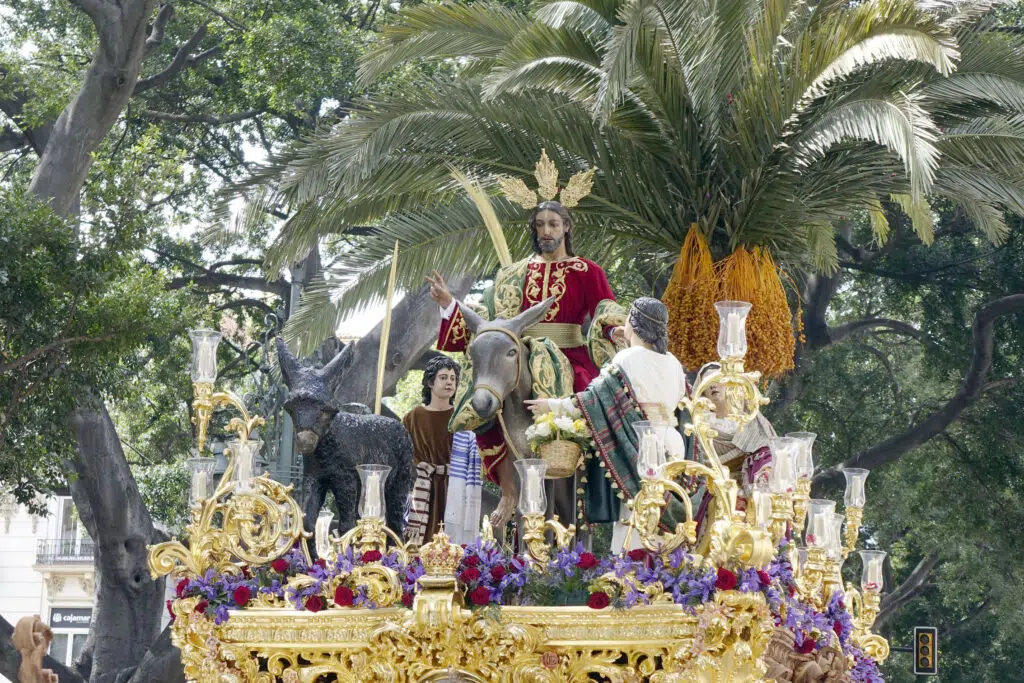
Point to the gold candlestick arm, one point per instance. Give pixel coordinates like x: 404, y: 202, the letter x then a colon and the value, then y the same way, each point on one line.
x: 782, y: 515
x: 800, y: 503
x: 534, y: 528
x: 854, y: 518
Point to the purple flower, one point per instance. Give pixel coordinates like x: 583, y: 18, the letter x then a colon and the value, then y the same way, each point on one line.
x: 749, y: 581
x: 221, y: 616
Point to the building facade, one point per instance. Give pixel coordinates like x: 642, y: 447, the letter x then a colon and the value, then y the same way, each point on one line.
x: 46, y: 568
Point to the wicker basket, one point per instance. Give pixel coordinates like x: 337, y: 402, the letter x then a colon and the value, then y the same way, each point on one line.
x: 561, y: 457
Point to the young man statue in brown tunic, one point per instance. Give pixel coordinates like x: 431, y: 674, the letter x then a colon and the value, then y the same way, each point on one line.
x: 432, y: 449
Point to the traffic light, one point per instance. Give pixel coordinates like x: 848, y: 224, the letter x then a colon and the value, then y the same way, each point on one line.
x: 926, y: 650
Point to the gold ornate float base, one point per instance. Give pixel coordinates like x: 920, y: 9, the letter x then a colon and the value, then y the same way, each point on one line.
x: 722, y: 641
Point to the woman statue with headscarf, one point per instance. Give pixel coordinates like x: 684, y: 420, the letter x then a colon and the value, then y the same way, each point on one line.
x: 642, y: 382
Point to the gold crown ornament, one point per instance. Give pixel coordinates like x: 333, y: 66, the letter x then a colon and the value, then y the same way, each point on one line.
x: 547, y: 185
x: 441, y: 557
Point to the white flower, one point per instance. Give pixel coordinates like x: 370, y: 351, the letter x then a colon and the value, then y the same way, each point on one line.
x: 564, y: 423
x: 542, y: 429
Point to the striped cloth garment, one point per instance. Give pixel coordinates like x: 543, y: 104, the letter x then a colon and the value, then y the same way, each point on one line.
x: 462, y: 509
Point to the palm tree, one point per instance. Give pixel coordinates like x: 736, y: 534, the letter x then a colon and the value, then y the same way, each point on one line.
x: 762, y: 121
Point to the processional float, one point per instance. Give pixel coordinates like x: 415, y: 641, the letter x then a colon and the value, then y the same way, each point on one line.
x: 741, y: 603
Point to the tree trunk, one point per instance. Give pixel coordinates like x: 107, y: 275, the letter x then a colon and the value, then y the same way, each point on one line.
x: 121, y: 28
x: 129, y: 603
x: 414, y: 325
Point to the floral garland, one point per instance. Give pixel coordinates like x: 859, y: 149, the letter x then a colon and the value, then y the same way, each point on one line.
x: 490, y: 578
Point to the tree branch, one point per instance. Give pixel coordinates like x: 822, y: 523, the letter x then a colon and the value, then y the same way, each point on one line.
x: 840, y: 332
x: 971, y: 389
x: 203, y: 118
x: 908, y: 590
x: 11, y: 139
x: 243, y: 303
x: 178, y: 63
x: 12, y: 102
x: 156, y: 33
x: 46, y: 348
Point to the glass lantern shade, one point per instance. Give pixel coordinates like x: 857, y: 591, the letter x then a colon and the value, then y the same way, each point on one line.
x: 782, y: 478
x: 244, y: 453
x: 804, y: 453
x: 201, y: 470
x: 323, y: 533
x: 871, y: 577
x: 732, y: 328
x: 371, y: 497
x: 204, y: 355
x: 651, y: 449
x: 532, y: 498
x: 855, y: 479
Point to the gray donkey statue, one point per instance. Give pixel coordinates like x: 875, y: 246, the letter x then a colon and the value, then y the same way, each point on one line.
x: 333, y: 443
x: 501, y: 368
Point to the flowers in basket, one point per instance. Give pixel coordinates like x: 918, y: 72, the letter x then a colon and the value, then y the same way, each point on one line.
x: 563, y: 422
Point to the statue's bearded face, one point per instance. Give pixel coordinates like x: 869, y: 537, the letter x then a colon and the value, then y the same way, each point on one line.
x: 551, y: 231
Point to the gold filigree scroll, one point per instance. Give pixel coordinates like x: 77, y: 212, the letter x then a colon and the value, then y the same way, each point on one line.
x: 254, y: 528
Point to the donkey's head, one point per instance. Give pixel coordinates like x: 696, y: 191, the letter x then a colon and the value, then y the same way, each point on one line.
x: 310, y: 391
x: 500, y: 361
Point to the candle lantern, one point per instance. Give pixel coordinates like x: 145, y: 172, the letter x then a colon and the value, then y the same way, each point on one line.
x: 371, y: 498
x: 204, y: 355
x: 651, y: 449
x: 732, y: 328
x: 201, y: 470
x: 244, y: 452
x: 532, y: 498
x: 871, y: 577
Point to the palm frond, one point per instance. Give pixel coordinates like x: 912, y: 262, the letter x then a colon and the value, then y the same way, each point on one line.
x: 477, y: 31
x: 901, y: 126
x: 920, y: 213
x: 879, y: 221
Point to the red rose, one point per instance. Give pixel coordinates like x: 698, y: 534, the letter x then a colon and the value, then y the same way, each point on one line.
x: 838, y: 628
x: 498, y: 572
x: 245, y: 571
x: 587, y: 561
x: 480, y: 595
x: 598, y: 600
x: 170, y: 609
x: 201, y: 606
x: 469, y: 575
x: 280, y: 565
x: 371, y: 556
x: 180, y: 588
x: 808, y: 646
x: 241, y: 596
x: 726, y: 580
x: 763, y: 577
x: 321, y: 562
x: 407, y: 599
x: 637, y: 554
x: 792, y: 591
x: 343, y: 596
x: 471, y: 560
x: 314, y: 603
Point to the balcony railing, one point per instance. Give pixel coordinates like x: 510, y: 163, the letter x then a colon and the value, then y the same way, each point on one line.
x: 64, y: 551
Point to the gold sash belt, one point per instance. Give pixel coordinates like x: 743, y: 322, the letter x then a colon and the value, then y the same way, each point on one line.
x: 564, y: 335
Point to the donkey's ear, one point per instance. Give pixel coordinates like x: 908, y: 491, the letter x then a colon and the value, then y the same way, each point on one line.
x: 473, y: 320
x: 336, y: 366
x: 531, y: 316
x: 289, y: 363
